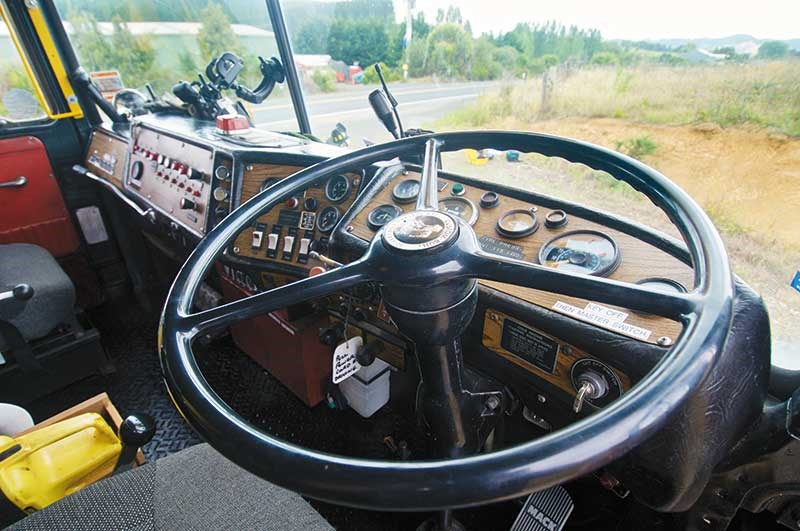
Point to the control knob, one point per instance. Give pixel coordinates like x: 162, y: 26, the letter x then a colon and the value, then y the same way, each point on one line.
x: 188, y: 204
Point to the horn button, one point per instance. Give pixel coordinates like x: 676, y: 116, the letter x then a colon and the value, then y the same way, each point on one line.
x: 423, y: 230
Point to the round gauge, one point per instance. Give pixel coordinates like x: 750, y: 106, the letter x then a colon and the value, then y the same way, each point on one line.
x: 460, y: 207
x: 663, y: 284
x: 337, y: 188
x: 327, y: 219
x: 582, y: 251
x: 383, y: 214
x: 266, y: 183
x: 517, y: 223
x: 222, y: 172
x: 406, y: 191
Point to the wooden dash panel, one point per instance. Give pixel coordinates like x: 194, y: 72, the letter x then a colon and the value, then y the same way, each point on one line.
x: 640, y: 260
x: 107, y: 157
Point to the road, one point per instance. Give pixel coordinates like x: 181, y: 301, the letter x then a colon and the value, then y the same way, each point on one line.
x: 420, y: 104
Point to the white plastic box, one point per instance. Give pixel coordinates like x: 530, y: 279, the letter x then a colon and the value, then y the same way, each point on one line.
x: 368, y: 389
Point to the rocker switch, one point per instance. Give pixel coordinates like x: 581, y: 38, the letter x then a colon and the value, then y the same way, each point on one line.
x: 288, y: 244
x: 304, y: 245
x: 272, y: 241
x: 258, y: 236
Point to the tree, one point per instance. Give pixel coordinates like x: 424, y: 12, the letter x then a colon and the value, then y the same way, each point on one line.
x: 484, y: 65
x: 216, y: 33
x: 133, y: 56
x: 312, y: 37
x: 773, y: 50
x: 449, y: 51
x: 358, y: 41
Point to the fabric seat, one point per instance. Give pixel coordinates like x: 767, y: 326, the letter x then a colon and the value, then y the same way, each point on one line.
x: 53, y: 298
x: 196, y: 488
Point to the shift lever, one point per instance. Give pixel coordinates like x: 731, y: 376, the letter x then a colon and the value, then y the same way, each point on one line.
x: 134, y: 432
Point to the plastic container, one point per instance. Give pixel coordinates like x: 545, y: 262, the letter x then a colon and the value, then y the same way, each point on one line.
x: 368, y: 390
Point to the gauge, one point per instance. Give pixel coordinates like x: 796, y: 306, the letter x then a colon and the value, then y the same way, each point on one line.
x: 266, y: 183
x: 517, y: 223
x: 406, y: 191
x: 663, y: 284
x: 222, y: 172
x: 327, y: 219
x: 220, y: 193
x: 383, y: 214
x: 337, y: 189
x: 582, y: 251
x: 460, y: 207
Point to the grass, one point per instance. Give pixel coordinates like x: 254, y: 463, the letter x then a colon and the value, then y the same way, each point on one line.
x: 761, y: 93
x: 637, y: 147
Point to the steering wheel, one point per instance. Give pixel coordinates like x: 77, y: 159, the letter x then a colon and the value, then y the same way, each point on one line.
x: 427, y: 264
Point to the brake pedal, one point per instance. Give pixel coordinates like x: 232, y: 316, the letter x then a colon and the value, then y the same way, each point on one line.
x: 546, y: 510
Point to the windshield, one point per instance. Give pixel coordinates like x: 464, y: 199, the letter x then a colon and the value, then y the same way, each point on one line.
x: 712, y: 102
x: 161, y: 42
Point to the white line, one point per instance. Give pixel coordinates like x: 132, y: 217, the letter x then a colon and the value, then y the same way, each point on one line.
x: 362, y: 109
x: 360, y: 97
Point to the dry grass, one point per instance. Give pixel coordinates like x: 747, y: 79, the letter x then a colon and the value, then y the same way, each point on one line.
x: 765, y: 94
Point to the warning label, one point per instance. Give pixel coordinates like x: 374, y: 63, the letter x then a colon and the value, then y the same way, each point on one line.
x: 529, y: 345
x: 605, y: 317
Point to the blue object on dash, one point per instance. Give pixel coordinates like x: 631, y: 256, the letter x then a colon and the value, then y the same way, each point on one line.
x: 796, y: 281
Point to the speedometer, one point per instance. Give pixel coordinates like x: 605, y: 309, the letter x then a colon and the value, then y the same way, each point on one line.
x: 337, y: 188
x: 582, y: 251
x: 460, y: 207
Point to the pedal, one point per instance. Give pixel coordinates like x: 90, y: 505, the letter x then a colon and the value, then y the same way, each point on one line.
x: 546, y: 510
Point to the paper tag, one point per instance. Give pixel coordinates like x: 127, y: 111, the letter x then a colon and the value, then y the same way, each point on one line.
x: 605, y: 317
x: 344, y: 359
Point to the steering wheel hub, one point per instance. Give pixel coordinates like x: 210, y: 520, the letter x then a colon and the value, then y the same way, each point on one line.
x: 420, y: 231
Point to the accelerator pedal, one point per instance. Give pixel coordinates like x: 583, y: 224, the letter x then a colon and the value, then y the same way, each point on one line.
x: 546, y: 510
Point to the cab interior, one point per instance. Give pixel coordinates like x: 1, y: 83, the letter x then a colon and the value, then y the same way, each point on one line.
x: 304, y: 310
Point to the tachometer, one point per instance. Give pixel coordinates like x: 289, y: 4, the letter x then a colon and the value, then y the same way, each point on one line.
x: 337, y: 188
x: 406, y: 191
x: 327, y: 219
x: 582, y: 251
x: 517, y: 223
x: 383, y: 214
x: 460, y: 207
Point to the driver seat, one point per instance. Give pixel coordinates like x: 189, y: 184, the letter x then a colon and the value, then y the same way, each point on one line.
x: 196, y: 488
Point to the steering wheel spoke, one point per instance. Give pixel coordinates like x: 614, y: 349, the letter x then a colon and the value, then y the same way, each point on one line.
x: 334, y: 280
x: 631, y: 296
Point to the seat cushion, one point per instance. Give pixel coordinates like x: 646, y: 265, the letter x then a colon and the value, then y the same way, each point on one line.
x: 195, y: 489
x: 53, y: 298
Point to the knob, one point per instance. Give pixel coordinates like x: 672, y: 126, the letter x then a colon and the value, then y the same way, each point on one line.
x: 310, y: 204
x: 137, y: 170
x: 331, y: 335
x: 188, y: 204
x: 134, y: 432
x: 366, y: 355
x: 193, y: 174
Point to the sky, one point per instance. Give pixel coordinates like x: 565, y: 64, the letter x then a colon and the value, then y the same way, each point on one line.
x: 632, y: 19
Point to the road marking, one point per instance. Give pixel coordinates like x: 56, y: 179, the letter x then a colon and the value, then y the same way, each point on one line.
x: 362, y: 109
x: 359, y: 97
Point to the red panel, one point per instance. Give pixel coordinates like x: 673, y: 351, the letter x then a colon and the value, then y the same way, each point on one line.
x: 292, y: 354
x: 34, y: 213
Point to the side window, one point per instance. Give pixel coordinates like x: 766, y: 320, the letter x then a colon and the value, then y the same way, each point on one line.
x: 18, y: 101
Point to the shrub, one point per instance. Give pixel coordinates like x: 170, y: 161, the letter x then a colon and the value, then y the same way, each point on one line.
x: 637, y: 147
x: 389, y: 74
x: 324, y: 79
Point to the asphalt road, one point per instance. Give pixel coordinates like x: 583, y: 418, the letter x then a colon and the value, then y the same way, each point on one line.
x: 420, y: 104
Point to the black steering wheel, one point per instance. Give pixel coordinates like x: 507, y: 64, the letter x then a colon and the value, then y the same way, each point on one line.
x: 426, y: 263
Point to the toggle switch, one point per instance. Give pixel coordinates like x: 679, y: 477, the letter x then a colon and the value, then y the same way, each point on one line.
x: 305, y: 243
x: 288, y: 244
x: 258, y: 236
x: 272, y: 241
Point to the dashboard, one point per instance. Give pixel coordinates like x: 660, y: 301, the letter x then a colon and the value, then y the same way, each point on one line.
x: 186, y: 178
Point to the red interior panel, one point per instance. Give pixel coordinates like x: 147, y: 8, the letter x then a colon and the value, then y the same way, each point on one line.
x: 291, y: 353
x: 34, y: 213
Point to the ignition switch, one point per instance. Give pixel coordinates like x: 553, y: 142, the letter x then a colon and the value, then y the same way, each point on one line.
x: 591, y: 385
x: 594, y: 382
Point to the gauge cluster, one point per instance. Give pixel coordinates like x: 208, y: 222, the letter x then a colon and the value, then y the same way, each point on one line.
x: 287, y: 234
x: 553, y: 235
